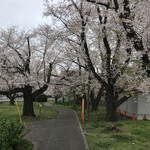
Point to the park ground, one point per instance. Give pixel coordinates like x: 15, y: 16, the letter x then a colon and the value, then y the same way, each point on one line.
x: 130, y: 134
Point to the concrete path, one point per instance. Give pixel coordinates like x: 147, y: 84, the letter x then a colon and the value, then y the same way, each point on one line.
x: 61, y: 133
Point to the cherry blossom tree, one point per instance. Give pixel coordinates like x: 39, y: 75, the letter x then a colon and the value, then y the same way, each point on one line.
x: 7, y: 86
x: 27, y: 62
x: 108, y: 42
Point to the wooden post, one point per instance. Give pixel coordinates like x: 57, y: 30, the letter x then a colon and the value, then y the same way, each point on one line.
x: 83, y: 109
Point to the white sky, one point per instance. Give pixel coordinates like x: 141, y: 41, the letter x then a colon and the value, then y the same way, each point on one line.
x: 23, y: 13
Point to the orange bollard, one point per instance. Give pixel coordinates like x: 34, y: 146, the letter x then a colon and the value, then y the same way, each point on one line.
x: 83, y: 110
x: 133, y: 118
x: 119, y: 112
x: 124, y: 114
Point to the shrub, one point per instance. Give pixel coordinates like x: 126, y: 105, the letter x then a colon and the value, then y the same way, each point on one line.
x: 10, y: 134
x: 41, y: 98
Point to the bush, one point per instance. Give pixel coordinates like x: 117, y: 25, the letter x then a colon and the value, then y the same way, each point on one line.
x: 41, y: 98
x: 10, y: 134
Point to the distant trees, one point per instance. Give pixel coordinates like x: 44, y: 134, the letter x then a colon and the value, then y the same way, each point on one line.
x: 41, y: 98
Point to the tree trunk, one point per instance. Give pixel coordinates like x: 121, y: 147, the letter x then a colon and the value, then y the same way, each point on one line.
x: 95, y: 101
x: 11, y: 100
x: 28, y: 102
x: 55, y: 99
x: 111, y: 113
x: 92, y: 100
x: 95, y: 104
x: 110, y: 104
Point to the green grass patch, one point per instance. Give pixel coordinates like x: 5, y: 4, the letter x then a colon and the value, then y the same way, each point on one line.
x: 103, y: 143
x: 10, y: 112
x: 132, y: 135
x: 122, y: 137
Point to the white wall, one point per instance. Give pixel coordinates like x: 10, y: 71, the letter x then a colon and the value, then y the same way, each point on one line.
x: 123, y: 107
x: 143, y: 105
x: 132, y: 105
x: 129, y: 106
x: 139, y: 105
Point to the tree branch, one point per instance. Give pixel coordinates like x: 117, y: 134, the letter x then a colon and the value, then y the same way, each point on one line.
x: 39, y: 91
x: 116, y: 5
x: 107, y: 5
x: 15, y: 90
x: 122, y: 100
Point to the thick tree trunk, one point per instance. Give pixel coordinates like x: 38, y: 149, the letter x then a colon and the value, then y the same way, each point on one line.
x: 11, y: 100
x: 110, y: 104
x: 63, y: 100
x: 28, y: 102
x: 111, y: 112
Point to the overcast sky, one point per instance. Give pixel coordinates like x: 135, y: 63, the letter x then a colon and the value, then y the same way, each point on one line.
x: 22, y: 13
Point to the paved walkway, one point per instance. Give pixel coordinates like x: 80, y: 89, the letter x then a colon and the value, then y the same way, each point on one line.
x: 61, y: 133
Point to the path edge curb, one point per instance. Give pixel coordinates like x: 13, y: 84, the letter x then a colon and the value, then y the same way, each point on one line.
x: 80, y: 127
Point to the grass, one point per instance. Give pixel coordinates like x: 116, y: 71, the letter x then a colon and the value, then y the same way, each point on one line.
x: 10, y: 112
x: 132, y: 135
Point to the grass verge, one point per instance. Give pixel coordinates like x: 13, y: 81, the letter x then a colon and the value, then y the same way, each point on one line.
x: 132, y: 135
x: 10, y: 112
